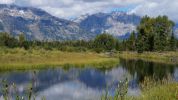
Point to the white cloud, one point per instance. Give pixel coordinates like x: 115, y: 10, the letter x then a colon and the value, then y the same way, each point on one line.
x: 158, y: 7
x: 6, y: 1
x: 70, y: 8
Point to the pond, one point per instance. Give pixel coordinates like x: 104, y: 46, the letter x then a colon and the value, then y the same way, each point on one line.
x: 88, y: 83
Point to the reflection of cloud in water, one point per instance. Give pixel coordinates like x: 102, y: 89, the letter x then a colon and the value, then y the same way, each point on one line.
x: 116, y: 74
x: 71, y: 90
x: 176, y: 74
x: 74, y: 84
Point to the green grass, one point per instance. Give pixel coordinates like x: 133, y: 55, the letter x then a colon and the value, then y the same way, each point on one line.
x: 160, y: 57
x: 161, y: 92
x: 166, y: 89
x: 152, y: 89
x: 30, y: 59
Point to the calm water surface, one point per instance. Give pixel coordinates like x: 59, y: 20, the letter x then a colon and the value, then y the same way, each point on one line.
x: 87, y: 83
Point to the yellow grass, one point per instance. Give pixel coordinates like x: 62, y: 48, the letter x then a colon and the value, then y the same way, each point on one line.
x: 22, y: 59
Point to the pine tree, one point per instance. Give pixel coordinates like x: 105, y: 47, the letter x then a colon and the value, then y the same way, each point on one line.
x: 145, y: 34
x: 21, y: 40
x: 131, y: 42
x: 163, y: 29
x: 154, y: 34
x: 172, y: 43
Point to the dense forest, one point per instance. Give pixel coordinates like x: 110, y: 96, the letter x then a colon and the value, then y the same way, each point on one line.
x: 152, y: 34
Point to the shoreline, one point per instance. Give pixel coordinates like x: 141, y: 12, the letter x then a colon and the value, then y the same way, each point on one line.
x: 157, y: 57
x: 20, y: 59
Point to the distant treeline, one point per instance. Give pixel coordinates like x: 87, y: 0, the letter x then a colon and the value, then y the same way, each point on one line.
x: 153, y: 34
x: 104, y: 42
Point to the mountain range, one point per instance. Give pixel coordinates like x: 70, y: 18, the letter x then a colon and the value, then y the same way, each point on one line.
x: 115, y: 23
x: 37, y: 24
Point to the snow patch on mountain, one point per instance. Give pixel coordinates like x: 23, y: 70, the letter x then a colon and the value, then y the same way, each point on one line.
x: 18, y: 13
x: 115, y: 23
x: 80, y: 18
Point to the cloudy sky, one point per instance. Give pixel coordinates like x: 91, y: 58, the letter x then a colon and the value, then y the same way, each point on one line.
x: 74, y: 8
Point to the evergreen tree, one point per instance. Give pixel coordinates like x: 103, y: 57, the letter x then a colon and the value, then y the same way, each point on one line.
x: 163, y: 29
x: 154, y: 34
x: 21, y: 40
x: 140, y: 43
x: 7, y: 40
x: 104, y: 42
x: 172, y: 43
x: 145, y: 34
x: 131, y: 42
x: 119, y: 46
x: 3, y: 38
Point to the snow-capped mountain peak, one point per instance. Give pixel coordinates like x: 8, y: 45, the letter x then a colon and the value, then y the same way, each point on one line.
x: 115, y: 23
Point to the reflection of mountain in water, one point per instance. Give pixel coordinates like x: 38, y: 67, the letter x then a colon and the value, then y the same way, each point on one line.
x: 87, y: 83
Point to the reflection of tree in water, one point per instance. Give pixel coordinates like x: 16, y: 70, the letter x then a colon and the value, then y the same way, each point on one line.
x: 147, y: 69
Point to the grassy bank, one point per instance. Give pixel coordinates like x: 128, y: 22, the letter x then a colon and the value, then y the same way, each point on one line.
x: 162, y: 92
x: 166, y: 89
x: 160, y: 57
x: 28, y: 59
